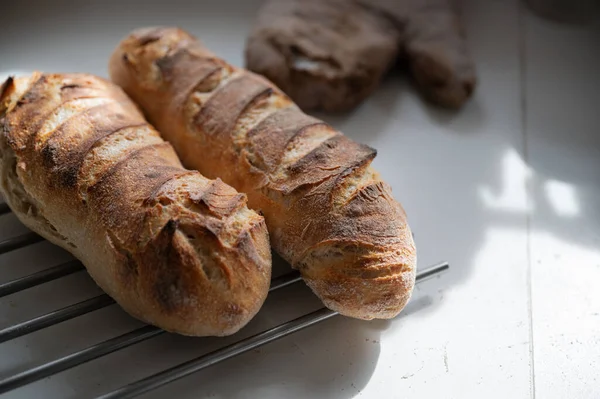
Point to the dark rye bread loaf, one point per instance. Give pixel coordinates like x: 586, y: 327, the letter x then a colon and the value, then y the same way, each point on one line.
x: 332, y: 54
x: 328, y: 212
x: 80, y: 166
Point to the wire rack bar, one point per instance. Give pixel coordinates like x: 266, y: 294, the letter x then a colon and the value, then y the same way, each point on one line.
x: 19, y: 242
x: 104, y: 348
x: 38, y: 278
x: 75, y: 359
x: 245, y: 345
x: 175, y: 373
x: 55, y: 317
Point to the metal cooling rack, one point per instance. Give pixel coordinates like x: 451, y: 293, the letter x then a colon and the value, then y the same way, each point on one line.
x: 136, y: 336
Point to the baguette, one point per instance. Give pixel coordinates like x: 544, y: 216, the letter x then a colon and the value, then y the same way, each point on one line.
x: 80, y: 166
x: 328, y: 212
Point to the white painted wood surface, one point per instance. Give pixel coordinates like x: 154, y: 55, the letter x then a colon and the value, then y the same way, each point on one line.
x: 507, y: 190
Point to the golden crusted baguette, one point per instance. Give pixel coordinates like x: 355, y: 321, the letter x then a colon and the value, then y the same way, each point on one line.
x: 80, y: 166
x: 328, y: 212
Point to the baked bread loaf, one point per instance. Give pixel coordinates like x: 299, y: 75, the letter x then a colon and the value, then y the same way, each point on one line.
x: 331, y: 54
x: 328, y: 212
x: 325, y: 54
x: 80, y: 166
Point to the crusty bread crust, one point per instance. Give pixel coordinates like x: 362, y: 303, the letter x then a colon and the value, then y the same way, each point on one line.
x: 80, y: 166
x: 325, y: 54
x: 328, y: 212
x: 331, y: 54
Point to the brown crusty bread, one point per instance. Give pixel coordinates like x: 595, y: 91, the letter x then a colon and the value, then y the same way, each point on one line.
x: 325, y: 54
x: 80, y: 166
x: 328, y: 212
x: 331, y: 54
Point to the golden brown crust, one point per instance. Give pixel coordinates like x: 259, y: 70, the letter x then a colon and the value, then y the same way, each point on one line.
x: 80, y: 166
x: 327, y: 211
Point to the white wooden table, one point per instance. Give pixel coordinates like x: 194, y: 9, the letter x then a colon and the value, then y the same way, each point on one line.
x: 507, y: 190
